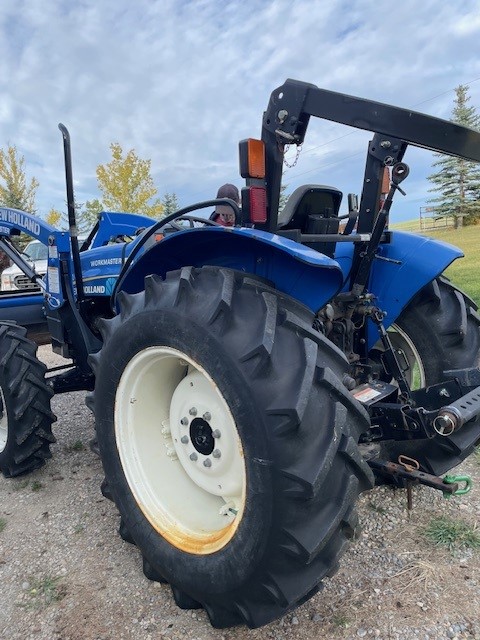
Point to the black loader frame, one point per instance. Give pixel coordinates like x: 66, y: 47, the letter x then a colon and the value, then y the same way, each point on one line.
x: 285, y: 122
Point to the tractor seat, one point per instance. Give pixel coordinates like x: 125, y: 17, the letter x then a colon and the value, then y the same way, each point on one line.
x: 312, y: 209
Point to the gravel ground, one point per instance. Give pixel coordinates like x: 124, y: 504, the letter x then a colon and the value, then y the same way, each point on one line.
x: 66, y: 574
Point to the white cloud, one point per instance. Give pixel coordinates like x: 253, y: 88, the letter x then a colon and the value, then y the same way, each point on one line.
x: 182, y: 82
x: 467, y: 25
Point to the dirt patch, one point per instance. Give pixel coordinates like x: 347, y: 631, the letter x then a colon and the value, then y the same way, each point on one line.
x: 66, y: 574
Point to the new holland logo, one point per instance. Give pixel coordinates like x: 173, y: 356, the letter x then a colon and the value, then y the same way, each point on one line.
x: 109, y: 285
x: 21, y: 220
x: 100, y: 289
x: 94, y: 288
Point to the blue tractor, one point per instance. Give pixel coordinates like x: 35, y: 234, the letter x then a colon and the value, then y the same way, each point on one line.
x: 248, y: 383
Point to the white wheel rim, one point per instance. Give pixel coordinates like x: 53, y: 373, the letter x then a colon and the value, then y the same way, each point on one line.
x: 180, y: 450
x: 406, y: 349
x: 3, y: 422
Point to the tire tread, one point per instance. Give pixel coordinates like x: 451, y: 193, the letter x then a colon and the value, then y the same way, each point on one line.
x: 291, y: 370
x: 27, y: 395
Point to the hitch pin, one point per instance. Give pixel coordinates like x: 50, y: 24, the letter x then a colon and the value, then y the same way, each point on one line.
x: 445, y: 424
x: 409, y: 464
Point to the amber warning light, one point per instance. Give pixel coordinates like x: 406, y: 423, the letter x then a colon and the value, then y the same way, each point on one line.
x: 252, y: 158
x: 252, y: 167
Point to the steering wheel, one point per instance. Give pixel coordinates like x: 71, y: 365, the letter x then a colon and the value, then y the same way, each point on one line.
x: 191, y: 220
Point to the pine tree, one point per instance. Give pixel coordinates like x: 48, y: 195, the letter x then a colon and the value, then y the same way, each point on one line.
x: 91, y: 211
x: 283, y: 197
x: 84, y: 217
x: 457, y: 181
x: 170, y: 203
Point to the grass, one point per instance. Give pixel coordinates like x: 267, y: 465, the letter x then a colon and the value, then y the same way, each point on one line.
x: 454, y: 534
x: 3, y: 524
x: 81, y: 526
x: 476, y: 454
x: 465, y: 271
x: 77, y: 446
x: 418, y: 574
x: 377, y: 508
x: 45, y: 591
x: 35, y: 485
x: 19, y: 485
x: 340, y: 620
x: 406, y: 225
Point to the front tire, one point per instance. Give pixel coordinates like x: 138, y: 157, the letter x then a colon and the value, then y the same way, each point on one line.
x: 229, y: 442
x: 439, y: 330
x: 25, y: 414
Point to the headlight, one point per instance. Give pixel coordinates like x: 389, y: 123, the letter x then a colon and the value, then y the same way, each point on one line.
x: 8, y: 282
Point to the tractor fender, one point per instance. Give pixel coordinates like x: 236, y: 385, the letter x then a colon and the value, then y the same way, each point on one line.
x: 403, y: 266
x: 308, y: 276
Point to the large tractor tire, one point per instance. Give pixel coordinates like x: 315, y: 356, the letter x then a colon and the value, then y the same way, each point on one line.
x: 229, y: 442
x: 25, y: 414
x: 439, y: 330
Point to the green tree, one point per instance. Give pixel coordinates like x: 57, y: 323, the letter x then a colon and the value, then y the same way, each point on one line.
x: 91, y: 211
x: 15, y: 191
x: 127, y: 185
x: 84, y: 223
x: 170, y: 203
x: 457, y: 181
x: 84, y: 220
x: 283, y: 197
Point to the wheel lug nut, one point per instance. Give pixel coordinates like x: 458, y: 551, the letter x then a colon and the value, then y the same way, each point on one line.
x: 216, y: 433
x: 193, y: 457
x: 216, y: 453
x: 193, y: 411
x: 207, y: 463
x: 207, y: 416
x: 184, y: 439
x: 184, y: 421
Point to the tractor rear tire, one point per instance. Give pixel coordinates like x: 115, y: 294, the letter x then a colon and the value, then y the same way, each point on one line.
x: 229, y: 443
x: 25, y: 414
x: 442, y: 327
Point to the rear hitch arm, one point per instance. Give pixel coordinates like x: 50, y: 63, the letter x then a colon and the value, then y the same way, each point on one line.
x: 409, y: 473
x: 391, y: 420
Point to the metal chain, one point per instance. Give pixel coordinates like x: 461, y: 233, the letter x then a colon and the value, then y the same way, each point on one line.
x: 285, y: 161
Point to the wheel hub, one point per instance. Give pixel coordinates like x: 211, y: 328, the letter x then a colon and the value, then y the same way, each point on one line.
x: 201, y: 435
x: 180, y: 449
x: 205, y: 438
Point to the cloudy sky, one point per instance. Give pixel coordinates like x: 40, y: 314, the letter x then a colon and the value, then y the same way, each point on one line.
x: 182, y: 82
